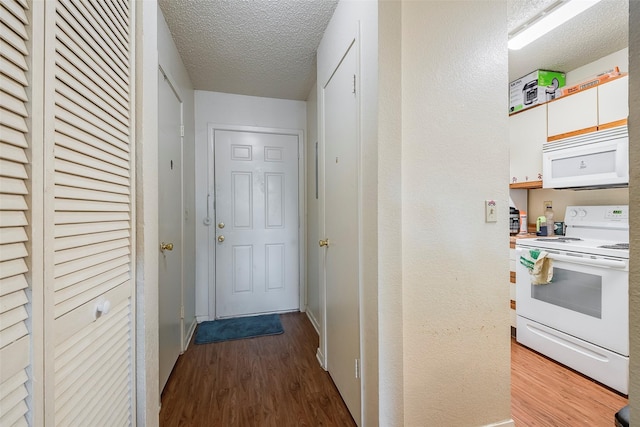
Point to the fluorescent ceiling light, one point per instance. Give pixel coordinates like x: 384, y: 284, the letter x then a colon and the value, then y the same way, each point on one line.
x: 547, y: 21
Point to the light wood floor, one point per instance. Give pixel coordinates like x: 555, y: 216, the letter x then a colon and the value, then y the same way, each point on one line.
x: 277, y: 381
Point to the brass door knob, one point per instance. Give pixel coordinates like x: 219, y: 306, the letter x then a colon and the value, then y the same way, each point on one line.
x: 220, y: 239
x: 323, y: 243
x: 221, y: 225
x: 166, y: 246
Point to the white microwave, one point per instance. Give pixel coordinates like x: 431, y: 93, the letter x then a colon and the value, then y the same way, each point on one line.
x: 595, y: 160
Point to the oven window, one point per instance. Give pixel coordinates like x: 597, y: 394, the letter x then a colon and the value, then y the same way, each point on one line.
x: 572, y: 290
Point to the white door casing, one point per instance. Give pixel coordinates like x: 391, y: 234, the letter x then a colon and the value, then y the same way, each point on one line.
x: 256, y: 222
x: 170, y: 226
x: 339, y: 105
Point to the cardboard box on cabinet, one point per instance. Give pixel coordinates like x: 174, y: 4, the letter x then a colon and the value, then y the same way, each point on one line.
x: 535, y: 88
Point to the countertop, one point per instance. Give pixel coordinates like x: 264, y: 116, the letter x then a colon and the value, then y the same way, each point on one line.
x: 512, y: 239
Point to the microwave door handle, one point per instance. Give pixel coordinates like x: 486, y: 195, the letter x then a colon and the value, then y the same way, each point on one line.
x: 597, y: 262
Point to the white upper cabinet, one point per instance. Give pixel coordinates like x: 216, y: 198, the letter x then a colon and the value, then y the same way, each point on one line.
x: 584, y: 111
x: 613, y: 100
x: 573, y: 113
x: 527, y: 133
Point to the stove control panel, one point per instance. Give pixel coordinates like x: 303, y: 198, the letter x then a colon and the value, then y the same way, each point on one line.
x: 617, y: 212
x: 597, y: 216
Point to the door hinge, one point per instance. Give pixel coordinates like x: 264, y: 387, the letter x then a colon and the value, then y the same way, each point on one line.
x: 354, y: 84
x: 181, y: 130
x: 357, y: 365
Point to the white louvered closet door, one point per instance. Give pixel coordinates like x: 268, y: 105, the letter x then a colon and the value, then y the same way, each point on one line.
x: 14, y: 336
x: 89, y: 213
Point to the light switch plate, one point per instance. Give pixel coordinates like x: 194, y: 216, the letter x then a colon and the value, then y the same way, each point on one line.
x: 490, y: 211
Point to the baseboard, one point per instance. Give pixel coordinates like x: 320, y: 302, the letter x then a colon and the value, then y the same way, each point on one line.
x: 190, y: 332
x: 200, y: 319
x: 320, y: 358
x: 505, y: 423
x: 313, y: 321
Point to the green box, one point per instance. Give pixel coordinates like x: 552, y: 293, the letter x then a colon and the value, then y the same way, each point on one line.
x: 535, y: 88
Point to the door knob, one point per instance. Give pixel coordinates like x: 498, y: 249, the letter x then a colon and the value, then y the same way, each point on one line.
x: 220, y: 239
x: 166, y: 246
x: 323, y: 243
x: 221, y: 225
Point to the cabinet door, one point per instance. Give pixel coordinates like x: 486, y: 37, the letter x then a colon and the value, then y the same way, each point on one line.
x: 613, y: 101
x: 527, y: 133
x: 573, y: 113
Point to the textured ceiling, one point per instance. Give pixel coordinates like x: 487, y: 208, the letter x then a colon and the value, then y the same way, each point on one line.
x: 267, y: 47
x: 597, y: 32
x: 249, y: 47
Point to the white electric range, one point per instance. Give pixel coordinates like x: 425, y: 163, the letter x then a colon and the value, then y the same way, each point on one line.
x: 581, y: 318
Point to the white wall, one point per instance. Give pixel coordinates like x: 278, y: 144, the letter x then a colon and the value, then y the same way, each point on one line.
x: 170, y: 61
x: 618, y: 59
x: 227, y: 109
x: 456, y: 343
x: 312, y: 209
x: 634, y: 202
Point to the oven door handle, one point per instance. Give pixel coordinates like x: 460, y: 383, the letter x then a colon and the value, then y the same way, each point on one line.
x: 596, y: 262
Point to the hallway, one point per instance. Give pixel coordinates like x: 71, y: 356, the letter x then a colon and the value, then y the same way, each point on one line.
x: 267, y: 381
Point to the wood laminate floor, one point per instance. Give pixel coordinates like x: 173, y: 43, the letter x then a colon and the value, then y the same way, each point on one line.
x: 277, y: 381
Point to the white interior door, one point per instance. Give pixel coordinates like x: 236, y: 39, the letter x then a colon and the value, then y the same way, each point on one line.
x: 170, y: 226
x: 341, y: 267
x: 256, y: 188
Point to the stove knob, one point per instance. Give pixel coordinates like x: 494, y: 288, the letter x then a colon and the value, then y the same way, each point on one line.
x: 573, y: 213
x: 582, y: 213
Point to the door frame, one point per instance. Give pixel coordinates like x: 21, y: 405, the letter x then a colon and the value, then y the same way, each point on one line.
x: 211, y: 198
x: 170, y: 81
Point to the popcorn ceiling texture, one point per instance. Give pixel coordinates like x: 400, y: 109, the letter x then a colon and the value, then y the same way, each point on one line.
x: 259, y: 48
x: 597, y: 32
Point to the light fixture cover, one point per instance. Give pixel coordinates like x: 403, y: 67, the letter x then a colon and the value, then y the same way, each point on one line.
x: 542, y: 24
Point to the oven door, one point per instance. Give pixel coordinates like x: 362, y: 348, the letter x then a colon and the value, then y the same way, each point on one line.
x: 587, y: 298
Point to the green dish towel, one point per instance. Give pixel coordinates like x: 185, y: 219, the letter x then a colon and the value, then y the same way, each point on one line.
x: 539, y: 265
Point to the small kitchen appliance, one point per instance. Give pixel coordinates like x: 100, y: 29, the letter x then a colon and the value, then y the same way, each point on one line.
x: 581, y: 317
x: 514, y: 221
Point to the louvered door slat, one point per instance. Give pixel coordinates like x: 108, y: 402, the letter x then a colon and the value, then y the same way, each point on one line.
x: 80, y: 234
x: 13, y: 251
x: 96, y: 107
x: 12, y: 54
x: 108, y: 32
x: 88, y: 161
x: 13, y: 137
x: 88, y: 218
x: 114, y: 17
x: 13, y: 71
x: 79, y: 33
x: 90, y: 203
x: 14, y: 335
x: 90, y: 184
x: 99, y: 78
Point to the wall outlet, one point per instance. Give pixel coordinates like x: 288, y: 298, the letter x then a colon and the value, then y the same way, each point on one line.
x: 490, y: 211
x: 545, y: 204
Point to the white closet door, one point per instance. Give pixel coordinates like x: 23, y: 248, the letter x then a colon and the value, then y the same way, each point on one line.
x: 89, y: 213
x: 14, y: 335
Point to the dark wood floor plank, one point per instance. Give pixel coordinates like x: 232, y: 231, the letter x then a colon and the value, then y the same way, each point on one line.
x: 277, y: 381
x: 266, y: 381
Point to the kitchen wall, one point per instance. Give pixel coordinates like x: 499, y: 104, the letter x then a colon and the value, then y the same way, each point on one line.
x: 228, y: 109
x: 454, y: 155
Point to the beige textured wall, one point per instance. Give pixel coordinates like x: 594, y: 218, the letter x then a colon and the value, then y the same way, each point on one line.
x: 454, y: 265
x: 634, y: 207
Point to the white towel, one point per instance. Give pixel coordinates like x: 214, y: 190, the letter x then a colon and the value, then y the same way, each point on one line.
x: 539, y: 265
